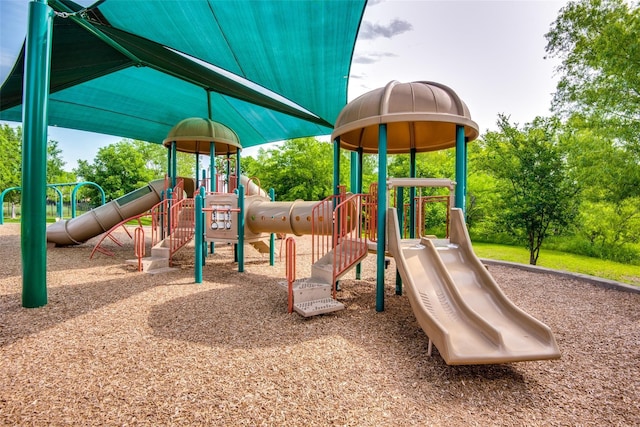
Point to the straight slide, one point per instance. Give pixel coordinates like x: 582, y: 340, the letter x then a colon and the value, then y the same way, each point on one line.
x: 459, y: 305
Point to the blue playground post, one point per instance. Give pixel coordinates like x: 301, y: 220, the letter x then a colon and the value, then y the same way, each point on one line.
x: 355, y: 176
x: 359, y: 191
x: 213, y: 183
x: 382, y: 214
x: 336, y: 170
x: 74, y: 195
x: 34, y: 154
x: 199, y: 231
x: 412, y: 195
x: 173, y: 172
x: 461, y: 179
x: 240, y: 250
x: 2, y: 201
x: 272, y: 236
x: 400, y: 209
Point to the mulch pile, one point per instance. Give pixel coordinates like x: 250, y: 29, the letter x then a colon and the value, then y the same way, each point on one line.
x: 118, y: 347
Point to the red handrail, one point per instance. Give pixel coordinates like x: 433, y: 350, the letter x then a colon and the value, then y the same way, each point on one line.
x: 322, y: 224
x: 138, y: 245
x: 350, y: 246
x: 291, y: 270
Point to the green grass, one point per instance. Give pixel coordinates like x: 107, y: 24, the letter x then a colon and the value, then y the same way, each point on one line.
x: 562, y: 261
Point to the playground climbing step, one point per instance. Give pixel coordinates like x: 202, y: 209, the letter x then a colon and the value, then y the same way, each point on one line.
x: 312, y: 297
x: 158, y: 262
x: 349, y: 254
x: 261, y: 246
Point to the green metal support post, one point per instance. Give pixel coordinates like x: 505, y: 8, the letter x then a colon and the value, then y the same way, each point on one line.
x: 354, y: 164
x: 213, y: 181
x: 197, y: 170
x: 382, y: 214
x: 461, y: 179
x: 272, y: 236
x: 400, y: 202
x: 240, y: 245
x: 198, y: 238
x: 336, y: 169
x: 174, y: 163
x: 34, y: 154
x: 412, y: 195
x: 359, y: 191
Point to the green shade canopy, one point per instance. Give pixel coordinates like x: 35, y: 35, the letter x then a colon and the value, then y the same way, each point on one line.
x: 269, y: 70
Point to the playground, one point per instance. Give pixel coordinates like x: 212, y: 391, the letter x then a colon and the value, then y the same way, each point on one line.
x: 115, y: 346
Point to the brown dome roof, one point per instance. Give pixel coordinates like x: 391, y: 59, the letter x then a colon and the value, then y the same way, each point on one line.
x: 420, y: 115
x: 194, y: 134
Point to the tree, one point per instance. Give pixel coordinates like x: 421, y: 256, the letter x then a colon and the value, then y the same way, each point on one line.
x: 597, y: 42
x: 11, y: 149
x: 120, y: 168
x: 536, y: 196
x: 55, y: 164
x: 300, y: 169
x: 610, y: 182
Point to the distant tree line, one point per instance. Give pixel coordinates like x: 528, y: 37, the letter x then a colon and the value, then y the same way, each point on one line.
x: 570, y: 181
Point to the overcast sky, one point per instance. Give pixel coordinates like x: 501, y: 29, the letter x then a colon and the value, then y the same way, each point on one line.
x: 490, y: 52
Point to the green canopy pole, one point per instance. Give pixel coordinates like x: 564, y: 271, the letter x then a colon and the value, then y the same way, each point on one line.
x: 382, y: 214
x: 213, y: 181
x: 466, y: 170
x: 174, y: 163
x: 412, y: 195
x: 400, y: 202
x: 197, y: 170
x: 461, y: 179
x: 359, y: 191
x: 169, y: 161
x: 199, y: 231
x: 272, y: 236
x: 212, y: 167
x: 354, y: 164
x: 336, y: 170
x: 37, y: 69
x: 240, y: 245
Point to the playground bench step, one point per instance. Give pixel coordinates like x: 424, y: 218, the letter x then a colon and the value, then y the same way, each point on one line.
x: 150, y: 263
x: 307, y: 289
x: 261, y: 246
x: 319, y: 306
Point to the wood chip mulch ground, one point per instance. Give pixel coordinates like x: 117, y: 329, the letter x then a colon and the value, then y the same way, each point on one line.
x: 118, y: 347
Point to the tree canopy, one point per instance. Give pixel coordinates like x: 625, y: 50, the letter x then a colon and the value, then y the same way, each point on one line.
x: 537, y: 195
x: 597, y: 42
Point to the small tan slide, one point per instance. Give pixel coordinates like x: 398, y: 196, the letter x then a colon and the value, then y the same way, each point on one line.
x: 459, y: 305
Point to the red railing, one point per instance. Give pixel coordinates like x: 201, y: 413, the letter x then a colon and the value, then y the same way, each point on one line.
x: 370, y: 213
x: 182, y: 230
x: 291, y: 270
x: 172, y: 219
x: 350, y: 245
x: 109, y: 234
x: 322, y: 225
x: 138, y: 245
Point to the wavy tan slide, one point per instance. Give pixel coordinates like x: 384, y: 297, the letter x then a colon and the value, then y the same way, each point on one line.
x: 459, y: 305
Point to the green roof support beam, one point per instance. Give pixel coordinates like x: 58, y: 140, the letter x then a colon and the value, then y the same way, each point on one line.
x: 66, y: 12
x: 34, y: 154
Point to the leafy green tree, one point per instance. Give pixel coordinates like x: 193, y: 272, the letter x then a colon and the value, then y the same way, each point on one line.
x: 597, y: 42
x: 119, y: 168
x: 610, y: 182
x: 11, y: 149
x: 300, y: 169
x: 55, y: 164
x: 537, y: 195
